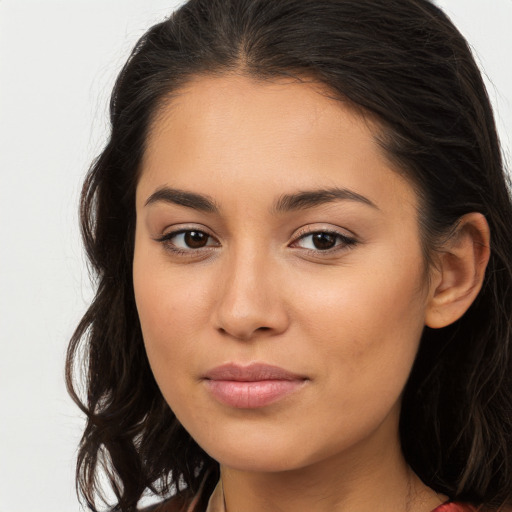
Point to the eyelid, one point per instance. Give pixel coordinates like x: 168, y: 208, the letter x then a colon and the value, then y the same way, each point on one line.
x: 176, y: 232
x: 310, y: 229
x: 173, y: 230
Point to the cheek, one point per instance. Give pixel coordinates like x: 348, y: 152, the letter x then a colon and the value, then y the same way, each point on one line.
x: 367, y: 329
x: 171, y: 312
x: 166, y: 306
x: 168, y: 342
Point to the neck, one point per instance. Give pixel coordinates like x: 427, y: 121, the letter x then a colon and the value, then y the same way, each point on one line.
x: 372, y: 477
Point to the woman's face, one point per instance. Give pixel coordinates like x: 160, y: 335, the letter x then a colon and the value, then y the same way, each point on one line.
x: 271, y: 230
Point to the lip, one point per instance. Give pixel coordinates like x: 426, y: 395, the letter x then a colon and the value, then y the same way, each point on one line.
x: 252, y: 386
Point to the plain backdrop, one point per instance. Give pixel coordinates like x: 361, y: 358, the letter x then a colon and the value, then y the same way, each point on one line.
x: 58, y: 62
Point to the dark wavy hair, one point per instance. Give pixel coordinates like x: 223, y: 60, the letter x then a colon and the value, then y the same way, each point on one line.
x: 405, y: 64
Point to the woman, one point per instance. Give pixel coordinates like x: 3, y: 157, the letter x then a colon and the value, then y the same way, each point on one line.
x: 301, y: 231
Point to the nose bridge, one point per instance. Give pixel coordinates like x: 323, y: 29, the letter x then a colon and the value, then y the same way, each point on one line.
x: 249, y: 297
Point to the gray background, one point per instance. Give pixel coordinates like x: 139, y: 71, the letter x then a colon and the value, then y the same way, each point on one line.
x: 58, y: 61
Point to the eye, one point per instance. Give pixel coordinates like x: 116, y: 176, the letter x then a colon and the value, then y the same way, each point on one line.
x: 186, y: 240
x: 323, y: 241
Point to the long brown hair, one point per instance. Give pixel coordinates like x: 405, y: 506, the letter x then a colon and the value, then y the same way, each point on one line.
x: 403, y: 62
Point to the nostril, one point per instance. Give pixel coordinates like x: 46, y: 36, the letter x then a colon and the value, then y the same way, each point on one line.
x: 242, y: 334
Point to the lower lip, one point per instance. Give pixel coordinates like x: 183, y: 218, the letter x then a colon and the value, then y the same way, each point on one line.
x: 253, y: 394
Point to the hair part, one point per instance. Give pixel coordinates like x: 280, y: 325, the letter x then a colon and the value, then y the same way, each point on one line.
x: 401, y: 62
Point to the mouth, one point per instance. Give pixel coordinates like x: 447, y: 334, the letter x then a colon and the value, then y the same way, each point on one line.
x: 253, y: 386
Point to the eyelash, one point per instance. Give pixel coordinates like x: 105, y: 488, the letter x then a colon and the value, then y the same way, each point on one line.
x: 343, y: 242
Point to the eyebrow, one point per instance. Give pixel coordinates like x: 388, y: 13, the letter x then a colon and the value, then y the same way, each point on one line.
x: 311, y: 198
x: 301, y: 200
x: 183, y: 198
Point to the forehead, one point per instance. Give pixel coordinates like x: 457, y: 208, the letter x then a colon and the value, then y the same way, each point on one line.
x: 234, y: 130
x: 237, y: 107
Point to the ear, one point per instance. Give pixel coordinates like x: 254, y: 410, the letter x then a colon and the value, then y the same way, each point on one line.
x: 460, y: 271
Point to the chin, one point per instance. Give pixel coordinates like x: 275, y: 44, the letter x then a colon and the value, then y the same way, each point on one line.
x: 261, y: 461
x: 272, y: 455
x: 256, y: 453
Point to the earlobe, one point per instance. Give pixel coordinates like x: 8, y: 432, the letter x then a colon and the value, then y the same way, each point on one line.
x: 461, y: 269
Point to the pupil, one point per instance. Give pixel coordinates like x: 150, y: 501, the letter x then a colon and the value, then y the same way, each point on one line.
x: 195, y: 239
x: 324, y: 240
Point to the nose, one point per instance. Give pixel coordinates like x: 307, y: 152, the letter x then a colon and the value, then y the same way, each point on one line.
x: 250, y: 300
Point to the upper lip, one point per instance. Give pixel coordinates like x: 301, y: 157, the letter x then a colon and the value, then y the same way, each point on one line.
x: 251, y: 373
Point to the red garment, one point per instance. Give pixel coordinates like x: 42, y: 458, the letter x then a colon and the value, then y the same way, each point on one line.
x: 454, y: 507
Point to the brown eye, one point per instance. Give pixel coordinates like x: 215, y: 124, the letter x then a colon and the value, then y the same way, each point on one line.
x: 195, y: 239
x: 323, y: 241
x: 187, y: 240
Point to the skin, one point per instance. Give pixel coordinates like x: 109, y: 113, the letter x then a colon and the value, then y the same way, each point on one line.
x: 349, y: 318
